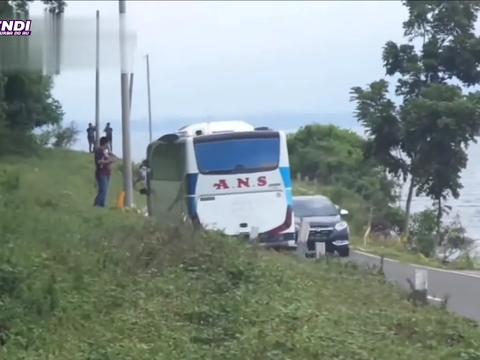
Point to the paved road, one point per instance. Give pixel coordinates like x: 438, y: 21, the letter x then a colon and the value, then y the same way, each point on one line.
x: 463, y: 287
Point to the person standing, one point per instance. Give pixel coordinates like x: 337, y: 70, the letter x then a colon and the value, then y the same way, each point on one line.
x: 143, y: 170
x: 108, y: 134
x: 142, y: 174
x: 91, y: 137
x: 103, y: 171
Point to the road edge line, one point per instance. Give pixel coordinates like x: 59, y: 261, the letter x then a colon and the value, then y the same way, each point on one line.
x: 454, y: 272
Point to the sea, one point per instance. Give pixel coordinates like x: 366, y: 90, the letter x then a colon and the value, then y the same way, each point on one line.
x: 466, y: 207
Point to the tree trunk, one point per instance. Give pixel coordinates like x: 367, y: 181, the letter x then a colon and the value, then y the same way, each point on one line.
x: 407, y: 206
x: 439, y: 220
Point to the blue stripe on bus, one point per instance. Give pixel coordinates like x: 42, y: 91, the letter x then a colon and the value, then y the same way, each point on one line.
x: 191, y: 183
x: 192, y: 207
x: 288, y: 193
x: 191, y: 187
x: 287, y: 182
x: 286, y: 177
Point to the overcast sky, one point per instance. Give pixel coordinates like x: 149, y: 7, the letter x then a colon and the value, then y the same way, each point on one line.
x: 227, y: 58
x: 230, y: 58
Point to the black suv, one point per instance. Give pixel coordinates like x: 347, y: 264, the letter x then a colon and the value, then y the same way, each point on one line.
x: 326, y: 223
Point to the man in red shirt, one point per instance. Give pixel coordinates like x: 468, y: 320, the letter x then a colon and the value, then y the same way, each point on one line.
x: 102, y: 170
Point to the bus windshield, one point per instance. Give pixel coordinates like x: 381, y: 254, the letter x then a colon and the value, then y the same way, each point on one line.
x: 237, y: 155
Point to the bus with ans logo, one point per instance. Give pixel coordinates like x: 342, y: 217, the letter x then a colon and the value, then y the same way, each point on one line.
x: 227, y: 176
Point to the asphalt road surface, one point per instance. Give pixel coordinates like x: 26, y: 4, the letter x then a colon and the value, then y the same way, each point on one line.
x: 462, y: 287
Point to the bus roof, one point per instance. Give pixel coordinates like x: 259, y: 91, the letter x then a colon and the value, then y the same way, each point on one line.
x: 207, y: 129
x: 214, y: 127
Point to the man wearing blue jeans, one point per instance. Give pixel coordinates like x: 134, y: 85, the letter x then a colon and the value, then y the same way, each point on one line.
x: 102, y: 171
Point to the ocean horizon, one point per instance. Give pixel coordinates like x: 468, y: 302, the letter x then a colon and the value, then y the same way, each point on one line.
x: 164, y: 125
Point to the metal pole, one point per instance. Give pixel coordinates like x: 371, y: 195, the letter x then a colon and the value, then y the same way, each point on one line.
x: 46, y: 37
x: 58, y: 21
x: 53, y: 44
x: 302, y: 238
x: 130, y: 94
x: 127, y: 155
x: 97, y: 85
x: 149, y: 100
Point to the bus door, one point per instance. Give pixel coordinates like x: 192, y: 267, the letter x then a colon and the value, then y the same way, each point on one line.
x: 165, y: 188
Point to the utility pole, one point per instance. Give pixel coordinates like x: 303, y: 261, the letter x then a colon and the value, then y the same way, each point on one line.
x: 97, y: 85
x: 127, y: 155
x: 58, y: 28
x: 130, y: 94
x: 45, y: 44
x: 149, y: 100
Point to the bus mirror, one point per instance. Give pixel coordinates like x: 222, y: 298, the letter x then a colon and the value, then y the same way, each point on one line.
x: 143, y: 191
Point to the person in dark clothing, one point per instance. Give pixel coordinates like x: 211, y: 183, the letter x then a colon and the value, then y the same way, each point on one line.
x: 91, y: 137
x: 142, y: 175
x: 103, y: 162
x: 108, y: 134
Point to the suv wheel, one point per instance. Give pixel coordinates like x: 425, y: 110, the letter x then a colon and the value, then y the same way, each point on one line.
x: 344, y: 252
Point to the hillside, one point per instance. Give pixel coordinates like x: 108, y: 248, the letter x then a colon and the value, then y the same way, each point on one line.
x: 77, y: 282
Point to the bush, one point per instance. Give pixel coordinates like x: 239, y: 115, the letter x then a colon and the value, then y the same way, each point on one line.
x: 65, y: 137
x: 422, y: 237
x: 58, y: 136
x: 17, y: 143
x: 425, y: 238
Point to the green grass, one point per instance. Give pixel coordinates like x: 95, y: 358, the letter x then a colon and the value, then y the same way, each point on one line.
x: 77, y: 283
x: 65, y: 175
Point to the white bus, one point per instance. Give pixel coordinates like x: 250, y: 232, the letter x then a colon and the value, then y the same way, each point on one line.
x: 227, y: 176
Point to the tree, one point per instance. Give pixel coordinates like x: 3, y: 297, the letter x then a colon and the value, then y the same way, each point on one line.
x: 334, y: 156
x: 426, y: 136
x: 324, y: 152
x: 54, y: 6
x: 26, y: 101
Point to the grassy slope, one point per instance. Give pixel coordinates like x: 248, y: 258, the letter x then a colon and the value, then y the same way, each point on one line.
x: 84, y: 283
